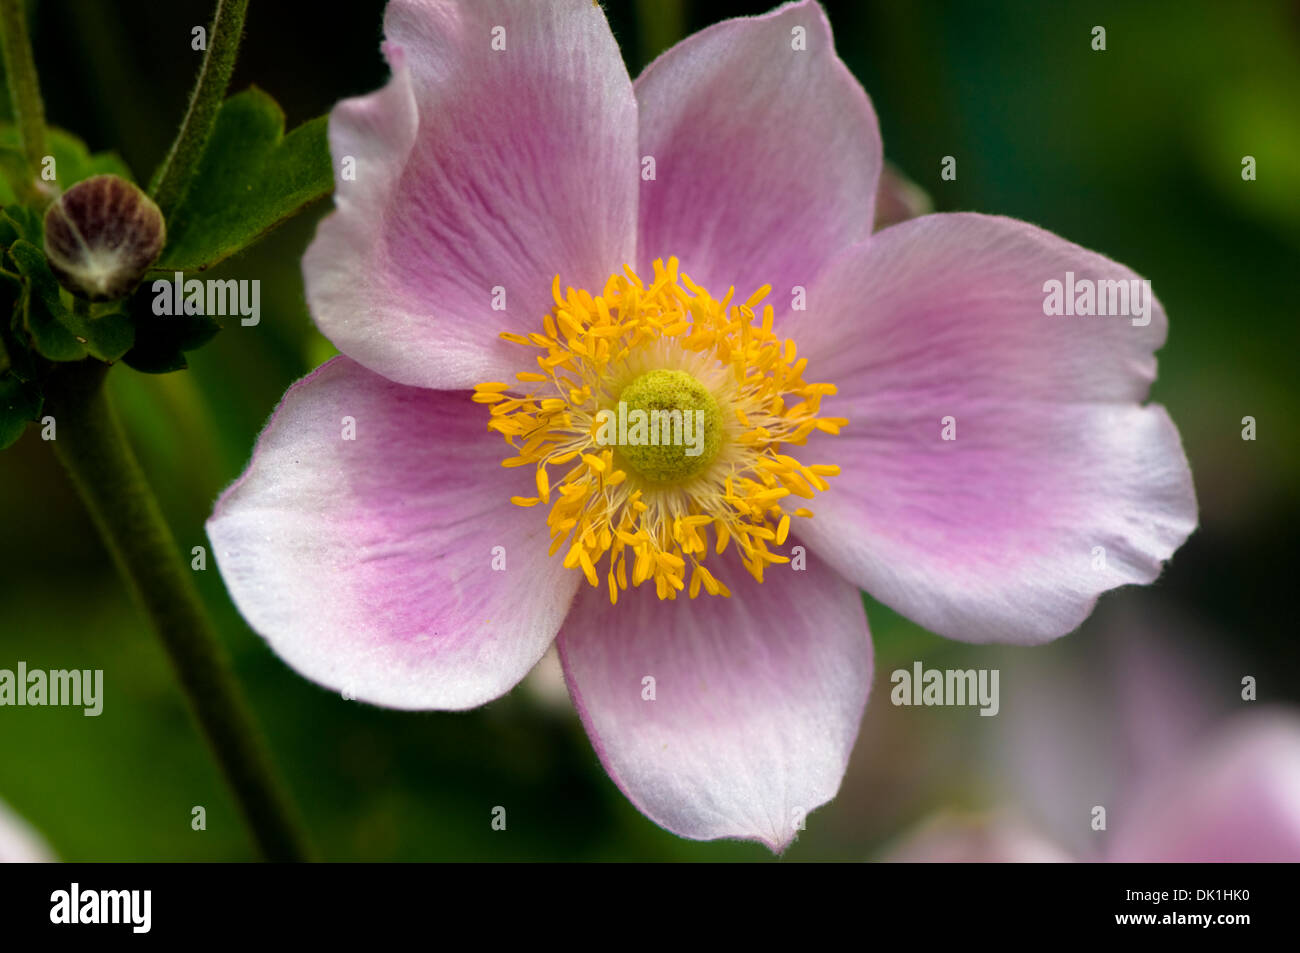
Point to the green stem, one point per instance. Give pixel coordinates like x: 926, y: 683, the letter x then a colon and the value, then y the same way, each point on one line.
x: 177, y: 170
x: 24, y: 89
x: 91, y: 445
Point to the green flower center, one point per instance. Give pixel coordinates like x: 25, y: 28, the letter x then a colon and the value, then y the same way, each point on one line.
x: 667, y: 426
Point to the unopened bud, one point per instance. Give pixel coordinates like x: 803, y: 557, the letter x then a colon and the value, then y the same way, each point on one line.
x: 101, y: 236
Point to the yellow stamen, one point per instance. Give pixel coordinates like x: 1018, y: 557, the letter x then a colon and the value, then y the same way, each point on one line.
x: 610, y: 504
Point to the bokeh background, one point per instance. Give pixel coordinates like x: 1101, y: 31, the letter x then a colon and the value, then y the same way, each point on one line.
x: 1135, y: 152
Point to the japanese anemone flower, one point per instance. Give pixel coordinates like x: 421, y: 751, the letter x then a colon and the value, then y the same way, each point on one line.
x: 1141, y: 756
x: 1232, y: 799
x: 525, y: 239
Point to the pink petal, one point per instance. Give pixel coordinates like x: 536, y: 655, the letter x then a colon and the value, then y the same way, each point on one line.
x: 19, y: 841
x: 757, y: 697
x: 476, y: 169
x: 367, y: 564
x: 1237, y: 801
x: 991, y: 536
x: 766, y: 157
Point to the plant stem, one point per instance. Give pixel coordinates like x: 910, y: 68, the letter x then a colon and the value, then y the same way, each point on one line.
x: 24, y: 89
x: 92, y: 447
x: 177, y: 170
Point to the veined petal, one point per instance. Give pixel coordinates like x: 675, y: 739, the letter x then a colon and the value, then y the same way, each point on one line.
x: 1055, y: 485
x: 502, y: 152
x: 766, y: 149
x: 385, y: 566
x: 756, y: 698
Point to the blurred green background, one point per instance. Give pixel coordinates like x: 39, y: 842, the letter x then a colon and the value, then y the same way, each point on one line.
x: 1135, y: 152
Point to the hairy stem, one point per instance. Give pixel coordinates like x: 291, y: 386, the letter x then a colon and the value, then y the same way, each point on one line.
x: 24, y: 89
x: 177, y: 170
x: 92, y: 446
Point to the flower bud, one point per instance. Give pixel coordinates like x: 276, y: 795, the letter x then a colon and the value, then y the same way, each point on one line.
x: 101, y: 236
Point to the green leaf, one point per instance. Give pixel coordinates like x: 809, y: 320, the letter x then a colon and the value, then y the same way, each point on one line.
x: 17, y: 221
x: 162, y: 339
x: 17, y: 359
x: 20, y: 402
x: 43, y: 311
x: 154, y: 358
x: 73, y: 162
x: 109, y: 336
x: 251, y: 178
x: 59, y: 332
x: 13, y: 169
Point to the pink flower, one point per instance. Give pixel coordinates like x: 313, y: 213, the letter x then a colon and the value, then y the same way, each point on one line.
x: 511, y: 147
x: 1235, y: 799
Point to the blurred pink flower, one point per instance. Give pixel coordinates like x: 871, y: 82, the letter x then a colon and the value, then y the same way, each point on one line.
x: 1234, y: 799
x: 1145, y: 720
x: 898, y: 198
x: 511, y: 147
x: 19, y: 842
x: 951, y: 838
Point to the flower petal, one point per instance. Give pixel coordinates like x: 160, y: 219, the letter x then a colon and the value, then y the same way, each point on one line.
x: 19, y: 841
x: 757, y: 698
x: 1238, y: 801
x: 478, y: 172
x: 1057, y: 486
x: 368, y: 563
x: 767, y: 153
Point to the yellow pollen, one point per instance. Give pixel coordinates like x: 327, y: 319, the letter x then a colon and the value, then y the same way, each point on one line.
x: 649, y: 505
